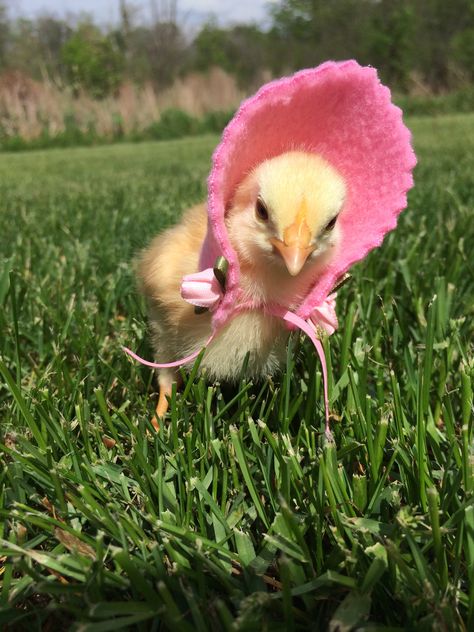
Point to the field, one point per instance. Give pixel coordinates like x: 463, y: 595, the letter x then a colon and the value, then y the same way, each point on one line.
x: 238, y: 515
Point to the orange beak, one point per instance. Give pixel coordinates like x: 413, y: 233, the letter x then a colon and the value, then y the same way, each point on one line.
x: 296, y: 245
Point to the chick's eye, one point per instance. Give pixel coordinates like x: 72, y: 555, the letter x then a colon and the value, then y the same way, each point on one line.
x: 330, y: 225
x: 261, y: 210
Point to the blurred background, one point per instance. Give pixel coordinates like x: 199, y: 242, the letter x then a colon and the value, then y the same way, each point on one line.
x: 85, y: 72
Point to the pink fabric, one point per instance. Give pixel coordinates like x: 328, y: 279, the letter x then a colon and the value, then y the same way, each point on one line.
x: 341, y: 111
x: 201, y: 289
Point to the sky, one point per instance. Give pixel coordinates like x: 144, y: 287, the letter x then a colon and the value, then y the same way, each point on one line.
x: 190, y: 12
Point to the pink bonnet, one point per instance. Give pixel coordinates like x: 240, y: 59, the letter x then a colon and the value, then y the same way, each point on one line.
x: 341, y: 111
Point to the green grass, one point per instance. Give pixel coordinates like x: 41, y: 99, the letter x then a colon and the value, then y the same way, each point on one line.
x: 237, y: 515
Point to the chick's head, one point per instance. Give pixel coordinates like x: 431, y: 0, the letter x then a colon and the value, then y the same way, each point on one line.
x: 284, y: 214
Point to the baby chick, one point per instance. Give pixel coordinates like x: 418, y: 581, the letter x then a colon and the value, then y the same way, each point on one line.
x: 282, y: 223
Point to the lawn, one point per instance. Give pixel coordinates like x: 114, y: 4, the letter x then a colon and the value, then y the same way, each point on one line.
x: 238, y: 515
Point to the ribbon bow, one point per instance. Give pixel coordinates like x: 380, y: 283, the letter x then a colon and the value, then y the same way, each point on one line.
x: 202, y: 289
x: 324, y: 316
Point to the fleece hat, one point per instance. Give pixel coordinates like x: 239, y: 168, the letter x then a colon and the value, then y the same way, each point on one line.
x: 339, y: 111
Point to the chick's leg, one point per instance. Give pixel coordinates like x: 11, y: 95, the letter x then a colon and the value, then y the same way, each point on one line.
x: 166, y: 377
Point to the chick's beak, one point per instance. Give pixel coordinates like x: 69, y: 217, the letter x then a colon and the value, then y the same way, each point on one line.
x: 293, y: 255
x: 296, y: 245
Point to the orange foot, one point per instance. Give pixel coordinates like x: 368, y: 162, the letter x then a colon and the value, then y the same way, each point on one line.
x: 162, y: 406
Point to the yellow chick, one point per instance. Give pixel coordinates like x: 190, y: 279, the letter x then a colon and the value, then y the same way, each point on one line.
x: 282, y: 223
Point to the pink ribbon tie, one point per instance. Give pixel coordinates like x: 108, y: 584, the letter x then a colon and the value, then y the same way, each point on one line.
x: 167, y: 365
x: 309, y: 330
x: 323, y: 317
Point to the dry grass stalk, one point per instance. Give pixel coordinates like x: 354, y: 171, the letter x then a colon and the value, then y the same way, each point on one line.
x: 29, y: 108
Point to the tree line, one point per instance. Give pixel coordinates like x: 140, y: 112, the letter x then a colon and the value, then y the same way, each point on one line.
x: 427, y: 42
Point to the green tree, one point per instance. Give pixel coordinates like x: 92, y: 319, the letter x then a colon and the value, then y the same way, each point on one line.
x: 165, y: 50
x: 396, y: 36
x: 93, y: 60
x: 250, y: 53
x: 156, y: 52
x: 241, y: 50
x: 439, y: 26
x: 212, y: 47
x: 311, y: 31
x: 22, y: 51
x: 51, y: 35
x: 33, y: 46
x: 463, y: 51
x: 391, y: 40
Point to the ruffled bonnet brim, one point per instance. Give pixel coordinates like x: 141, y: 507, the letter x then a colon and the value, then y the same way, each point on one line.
x: 341, y: 111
